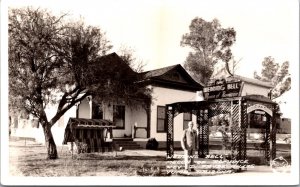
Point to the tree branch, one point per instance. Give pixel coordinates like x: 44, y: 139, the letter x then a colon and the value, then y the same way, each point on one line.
x: 60, y: 113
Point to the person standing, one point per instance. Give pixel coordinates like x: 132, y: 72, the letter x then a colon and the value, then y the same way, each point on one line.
x: 189, y: 144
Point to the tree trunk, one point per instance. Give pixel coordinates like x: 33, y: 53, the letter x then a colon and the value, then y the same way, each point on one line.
x: 50, y: 144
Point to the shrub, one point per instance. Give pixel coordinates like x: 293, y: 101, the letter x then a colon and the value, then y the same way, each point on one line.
x: 152, y: 144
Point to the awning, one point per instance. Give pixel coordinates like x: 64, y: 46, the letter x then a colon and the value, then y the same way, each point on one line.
x: 77, y: 123
x: 87, y: 130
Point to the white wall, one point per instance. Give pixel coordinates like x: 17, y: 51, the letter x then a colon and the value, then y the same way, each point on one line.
x: 132, y: 115
x: 250, y: 89
x: 58, y: 128
x: 161, y: 97
x: 39, y: 133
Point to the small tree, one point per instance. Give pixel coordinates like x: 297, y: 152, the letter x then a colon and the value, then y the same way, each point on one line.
x: 210, y: 43
x: 278, y: 75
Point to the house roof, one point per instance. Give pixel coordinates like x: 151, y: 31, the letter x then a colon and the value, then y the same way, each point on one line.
x: 113, y: 63
x: 172, y: 76
x: 254, y: 81
x: 158, y: 72
x: 108, y: 67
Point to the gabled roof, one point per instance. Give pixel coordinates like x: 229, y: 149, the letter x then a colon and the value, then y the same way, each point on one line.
x: 164, y: 77
x: 254, y: 81
x: 158, y: 72
x: 113, y: 63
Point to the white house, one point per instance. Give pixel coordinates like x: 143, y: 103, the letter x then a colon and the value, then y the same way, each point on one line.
x: 169, y: 85
x: 254, y: 86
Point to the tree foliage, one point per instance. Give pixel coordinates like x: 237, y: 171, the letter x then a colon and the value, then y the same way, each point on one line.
x: 53, y: 61
x: 278, y: 75
x: 222, y: 70
x: 210, y: 43
x: 128, y: 56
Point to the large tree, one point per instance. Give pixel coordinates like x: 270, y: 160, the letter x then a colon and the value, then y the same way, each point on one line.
x: 278, y: 75
x: 210, y: 43
x: 57, y: 63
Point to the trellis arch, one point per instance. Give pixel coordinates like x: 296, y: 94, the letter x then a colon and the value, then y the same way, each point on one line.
x: 237, y: 108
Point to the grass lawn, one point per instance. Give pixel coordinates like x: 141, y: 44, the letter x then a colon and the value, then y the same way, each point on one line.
x: 30, y: 160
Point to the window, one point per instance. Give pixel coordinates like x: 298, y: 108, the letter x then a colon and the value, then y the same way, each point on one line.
x: 119, y: 116
x: 186, y: 118
x: 161, y: 113
x: 97, y: 111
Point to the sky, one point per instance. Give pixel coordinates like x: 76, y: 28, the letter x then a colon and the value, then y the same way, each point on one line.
x: 153, y: 29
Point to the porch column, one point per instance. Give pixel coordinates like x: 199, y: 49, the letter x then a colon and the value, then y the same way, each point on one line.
x: 77, y: 109
x: 89, y: 98
x: 148, y: 113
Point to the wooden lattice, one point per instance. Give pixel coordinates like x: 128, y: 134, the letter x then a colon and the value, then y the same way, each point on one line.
x: 242, y: 150
x: 235, y: 127
x: 170, y: 132
x: 203, y: 137
x: 267, y: 141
